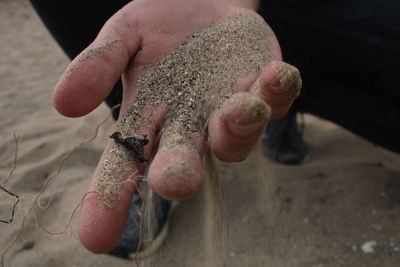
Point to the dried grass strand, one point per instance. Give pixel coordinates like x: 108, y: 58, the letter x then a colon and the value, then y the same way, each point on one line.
x: 46, y: 183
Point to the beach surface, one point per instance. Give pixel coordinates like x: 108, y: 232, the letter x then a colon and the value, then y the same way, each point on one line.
x: 340, y: 208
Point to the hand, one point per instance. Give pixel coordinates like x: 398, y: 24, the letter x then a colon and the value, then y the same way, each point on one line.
x: 138, y: 36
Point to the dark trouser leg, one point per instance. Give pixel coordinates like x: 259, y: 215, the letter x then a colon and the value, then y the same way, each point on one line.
x: 283, y: 141
x: 373, y: 116
x: 347, y: 53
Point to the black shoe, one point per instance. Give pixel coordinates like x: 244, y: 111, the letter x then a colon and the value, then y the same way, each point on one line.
x: 131, y: 240
x: 283, y: 141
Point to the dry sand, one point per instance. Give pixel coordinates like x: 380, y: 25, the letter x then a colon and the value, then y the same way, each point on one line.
x: 194, y: 79
x: 322, y: 213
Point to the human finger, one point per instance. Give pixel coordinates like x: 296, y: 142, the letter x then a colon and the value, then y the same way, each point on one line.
x: 278, y: 85
x: 176, y: 171
x: 92, y: 74
x: 236, y: 127
x: 104, y: 213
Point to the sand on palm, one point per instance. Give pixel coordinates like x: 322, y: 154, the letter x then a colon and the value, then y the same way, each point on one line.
x: 193, y: 80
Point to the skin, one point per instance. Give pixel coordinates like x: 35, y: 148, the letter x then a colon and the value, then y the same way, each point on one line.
x: 147, y: 30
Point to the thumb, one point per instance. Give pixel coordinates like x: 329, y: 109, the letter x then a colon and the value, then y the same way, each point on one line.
x: 93, y: 73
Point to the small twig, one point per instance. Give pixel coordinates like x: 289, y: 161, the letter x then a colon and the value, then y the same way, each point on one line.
x: 17, y: 143
x: 69, y: 220
x: 2, y: 187
x: 46, y: 183
x: 15, y: 204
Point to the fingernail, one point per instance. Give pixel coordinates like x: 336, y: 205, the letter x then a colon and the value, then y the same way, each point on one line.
x: 285, y: 80
x: 280, y: 82
x: 255, y: 86
x: 245, y: 129
x: 246, y: 114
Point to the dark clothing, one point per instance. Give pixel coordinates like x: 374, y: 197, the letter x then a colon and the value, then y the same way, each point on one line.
x: 347, y: 52
x: 349, y: 59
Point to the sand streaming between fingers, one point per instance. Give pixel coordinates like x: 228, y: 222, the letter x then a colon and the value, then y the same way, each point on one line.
x: 193, y: 80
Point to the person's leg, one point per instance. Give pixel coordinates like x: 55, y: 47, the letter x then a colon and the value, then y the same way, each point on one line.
x: 336, y: 38
x: 283, y: 140
x: 373, y: 116
x: 348, y: 56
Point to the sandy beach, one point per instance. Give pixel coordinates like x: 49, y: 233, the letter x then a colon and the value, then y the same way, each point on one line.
x: 340, y: 208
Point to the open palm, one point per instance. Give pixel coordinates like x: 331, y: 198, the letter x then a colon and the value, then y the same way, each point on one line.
x: 130, y: 44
